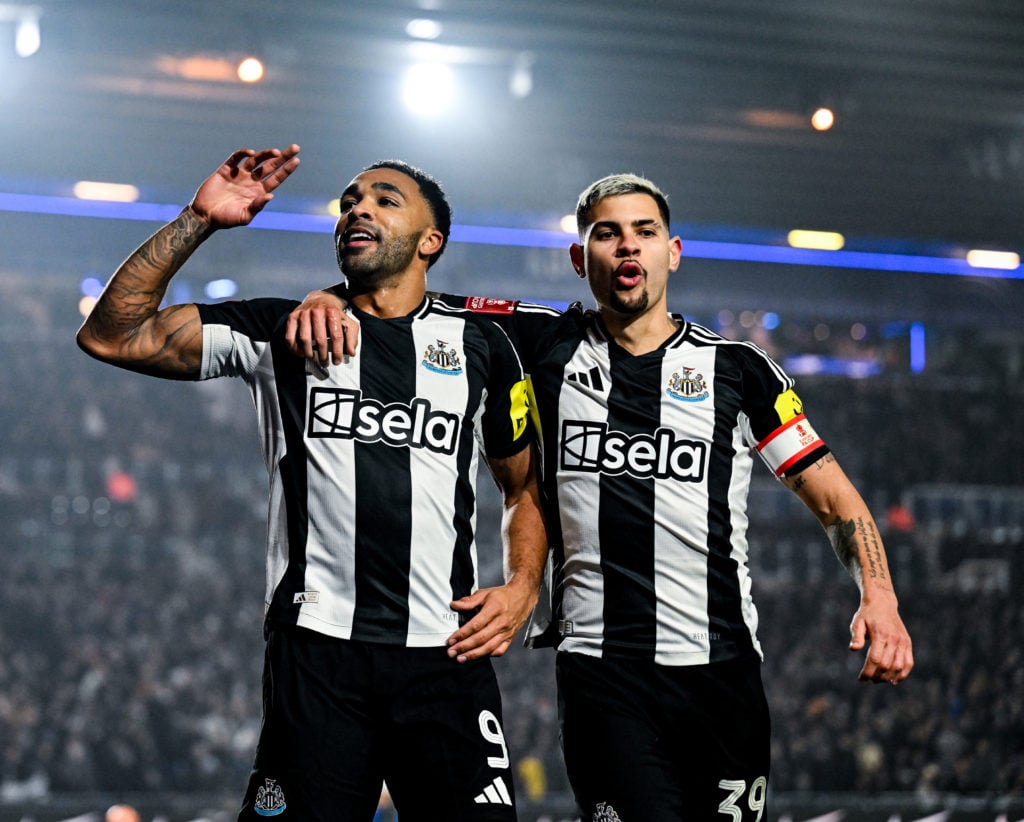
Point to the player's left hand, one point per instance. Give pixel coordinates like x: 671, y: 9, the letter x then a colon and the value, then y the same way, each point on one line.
x: 503, y: 612
x: 890, y: 655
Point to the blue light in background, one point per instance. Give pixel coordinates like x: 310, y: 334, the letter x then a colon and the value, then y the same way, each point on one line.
x: 221, y: 289
x: 803, y: 364
x: 869, y: 260
x: 917, y: 347
x: 92, y: 287
x: 533, y: 238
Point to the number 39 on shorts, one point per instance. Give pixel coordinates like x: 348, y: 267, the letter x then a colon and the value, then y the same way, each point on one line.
x: 738, y: 798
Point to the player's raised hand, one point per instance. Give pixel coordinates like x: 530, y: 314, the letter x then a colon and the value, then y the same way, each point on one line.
x: 244, y: 183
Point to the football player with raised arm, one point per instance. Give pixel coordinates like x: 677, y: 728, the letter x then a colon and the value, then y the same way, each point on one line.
x: 371, y: 553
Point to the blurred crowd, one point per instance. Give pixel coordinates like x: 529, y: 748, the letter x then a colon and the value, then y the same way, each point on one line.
x: 133, y: 516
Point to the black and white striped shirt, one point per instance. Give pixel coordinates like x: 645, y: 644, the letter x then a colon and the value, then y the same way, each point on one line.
x: 373, y: 463
x: 647, y: 463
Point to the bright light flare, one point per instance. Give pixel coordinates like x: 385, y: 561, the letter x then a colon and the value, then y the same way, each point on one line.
x: 823, y: 119
x: 27, y: 38
x: 428, y: 89
x: 818, y: 240
x: 110, y: 192
x: 423, y: 29
x: 984, y: 258
x: 250, y: 70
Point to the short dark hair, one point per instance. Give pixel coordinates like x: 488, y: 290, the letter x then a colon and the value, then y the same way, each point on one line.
x: 432, y: 192
x: 613, y: 186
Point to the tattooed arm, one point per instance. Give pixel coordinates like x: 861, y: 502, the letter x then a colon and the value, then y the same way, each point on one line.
x: 126, y: 326
x: 851, y: 529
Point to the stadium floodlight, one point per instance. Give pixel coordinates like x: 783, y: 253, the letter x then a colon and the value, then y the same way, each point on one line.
x: 423, y: 29
x: 27, y: 37
x: 986, y: 258
x: 111, y: 192
x: 820, y: 240
x: 429, y: 88
x: 250, y: 70
x: 823, y: 119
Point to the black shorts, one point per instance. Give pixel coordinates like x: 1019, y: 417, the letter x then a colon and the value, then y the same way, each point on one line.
x: 647, y: 742
x: 341, y: 717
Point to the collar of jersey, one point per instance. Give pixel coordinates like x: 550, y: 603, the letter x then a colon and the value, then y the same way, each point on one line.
x: 419, y: 311
x: 602, y: 331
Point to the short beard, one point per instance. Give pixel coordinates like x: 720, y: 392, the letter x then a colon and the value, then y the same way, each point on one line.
x: 385, y: 262
x: 634, y: 307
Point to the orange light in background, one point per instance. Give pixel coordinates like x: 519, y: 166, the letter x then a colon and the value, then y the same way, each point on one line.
x: 197, y: 67
x: 86, y: 305
x: 250, y: 70
x: 121, y: 486
x: 770, y: 118
x: 823, y: 119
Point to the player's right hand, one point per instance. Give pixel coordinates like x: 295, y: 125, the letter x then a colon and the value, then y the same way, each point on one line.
x: 321, y: 330
x: 243, y: 184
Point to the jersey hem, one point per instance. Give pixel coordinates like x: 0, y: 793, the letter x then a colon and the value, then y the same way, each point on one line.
x: 675, y: 659
x: 312, y: 623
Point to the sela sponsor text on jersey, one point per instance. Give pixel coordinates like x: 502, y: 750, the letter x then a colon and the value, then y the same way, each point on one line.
x: 592, y: 447
x: 345, y: 414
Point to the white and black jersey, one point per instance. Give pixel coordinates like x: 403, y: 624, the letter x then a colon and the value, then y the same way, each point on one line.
x: 646, y: 467
x: 373, y: 462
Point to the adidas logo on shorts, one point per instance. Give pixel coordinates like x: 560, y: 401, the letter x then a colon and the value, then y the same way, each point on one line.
x: 494, y: 794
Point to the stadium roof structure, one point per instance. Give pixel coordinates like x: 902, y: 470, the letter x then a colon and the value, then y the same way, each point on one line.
x: 710, y: 98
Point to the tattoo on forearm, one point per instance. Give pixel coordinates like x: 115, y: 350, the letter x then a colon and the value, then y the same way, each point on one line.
x: 872, y: 548
x: 841, y: 534
x: 847, y: 535
x: 135, y: 292
x: 140, y: 283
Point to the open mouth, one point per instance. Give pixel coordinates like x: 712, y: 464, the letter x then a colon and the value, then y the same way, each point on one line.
x: 355, y: 237
x: 629, y: 274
